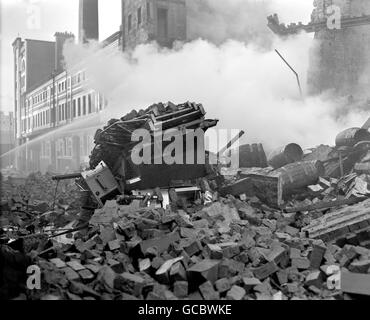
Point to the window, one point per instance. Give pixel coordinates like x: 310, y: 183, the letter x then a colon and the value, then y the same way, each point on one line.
x: 69, y: 147
x: 84, y: 105
x: 74, y: 109
x: 162, y: 23
x: 68, y: 111
x: 89, y: 103
x: 100, y: 102
x: 148, y: 13
x: 139, y: 16
x: 129, y: 22
x: 79, y: 107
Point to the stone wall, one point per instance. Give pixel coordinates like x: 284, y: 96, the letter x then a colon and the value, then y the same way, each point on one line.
x: 340, y: 59
x: 148, y: 29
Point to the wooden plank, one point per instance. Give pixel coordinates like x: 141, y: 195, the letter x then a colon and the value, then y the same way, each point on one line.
x: 355, y: 283
x: 326, y: 205
x: 330, y: 224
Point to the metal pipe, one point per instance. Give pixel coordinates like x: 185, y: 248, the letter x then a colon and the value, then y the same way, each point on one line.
x: 67, y: 177
x: 232, y: 141
x: 296, y: 74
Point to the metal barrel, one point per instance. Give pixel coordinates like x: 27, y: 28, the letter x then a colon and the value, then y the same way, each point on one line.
x: 350, y: 137
x: 251, y: 156
x: 300, y: 174
x: 66, y: 176
x: 284, y: 155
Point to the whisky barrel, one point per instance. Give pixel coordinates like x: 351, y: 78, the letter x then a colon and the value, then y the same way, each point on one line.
x: 251, y: 156
x: 300, y: 174
x: 349, y: 137
x: 285, y: 155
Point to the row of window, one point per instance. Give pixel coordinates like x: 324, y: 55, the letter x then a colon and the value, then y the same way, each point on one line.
x: 61, y: 87
x: 64, y: 147
x: 138, y: 16
x: 39, y: 120
x: 80, y: 107
x: 40, y: 97
x: 79, y: 77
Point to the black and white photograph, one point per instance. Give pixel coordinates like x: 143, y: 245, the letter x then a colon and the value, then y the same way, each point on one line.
x: 184, y: 156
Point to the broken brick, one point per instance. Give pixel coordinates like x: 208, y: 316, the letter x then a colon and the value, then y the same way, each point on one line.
x: 178, y: 272
x: 314, y: 279
x: 207, y: 269
x: 129, y: 283
x: 235, y: 293
x: 265, y: 270
x: 192, y: 247
x: 114, y: 245
x: 316, y: 256
x: 361, y: 266
x: 180, y: 289
x: 208, y: 292
x: 214, y: 251
x: 222, y: 285
x: 249, y: 283
x: 301, y: 263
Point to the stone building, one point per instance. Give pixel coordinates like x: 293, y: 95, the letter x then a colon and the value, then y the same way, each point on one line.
x: 163, y: 21
x: 48, y: 97
x: 88, y: 20
x: 6, y: 136
x: 340, y: 59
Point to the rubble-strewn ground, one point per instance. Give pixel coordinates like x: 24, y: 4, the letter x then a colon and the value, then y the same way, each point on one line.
x: 233, y: 248
x: 299, y: 229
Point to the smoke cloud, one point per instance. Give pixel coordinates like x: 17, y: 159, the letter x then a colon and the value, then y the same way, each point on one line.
x: 242, y: 82
x: 218, y: 21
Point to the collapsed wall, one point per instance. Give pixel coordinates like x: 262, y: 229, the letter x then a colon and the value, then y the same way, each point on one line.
x: 340, y: 58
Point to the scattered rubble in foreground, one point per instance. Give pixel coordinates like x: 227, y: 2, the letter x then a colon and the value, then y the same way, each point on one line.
x: 285, y: 228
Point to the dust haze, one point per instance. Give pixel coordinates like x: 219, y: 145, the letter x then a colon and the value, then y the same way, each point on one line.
x: 234, y: 72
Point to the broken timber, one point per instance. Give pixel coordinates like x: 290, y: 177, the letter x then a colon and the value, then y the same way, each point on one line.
x: 334, y: 225
x: 326, y: 205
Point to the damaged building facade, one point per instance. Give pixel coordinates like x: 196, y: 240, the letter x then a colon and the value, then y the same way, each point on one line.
x: 163, y: 21
x: 338, y: 60
x: 48, y: 97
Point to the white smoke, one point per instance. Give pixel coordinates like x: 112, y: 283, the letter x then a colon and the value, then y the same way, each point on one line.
x: 244, y: 84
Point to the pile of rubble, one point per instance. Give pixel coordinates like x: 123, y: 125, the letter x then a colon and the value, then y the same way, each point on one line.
x: 234, y: 249
x: 29, y: 204
x: 295, y: 227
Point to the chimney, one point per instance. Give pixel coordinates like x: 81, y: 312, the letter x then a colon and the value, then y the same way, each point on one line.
x: 123, y: 24
x: 88, y: 21
x: 60, y: 39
